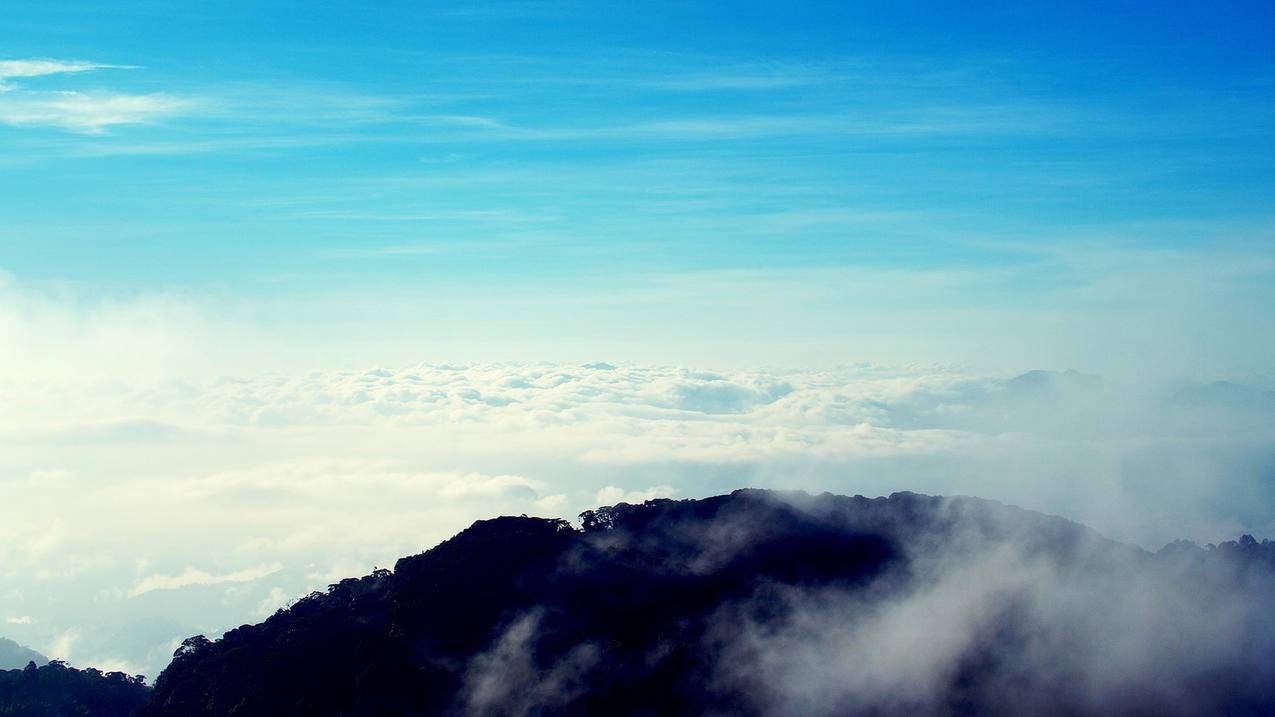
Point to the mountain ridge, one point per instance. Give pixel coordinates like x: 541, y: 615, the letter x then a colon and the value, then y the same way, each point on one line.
x: 624, y: 614
x: 758, y: 602
x: 14, y: 656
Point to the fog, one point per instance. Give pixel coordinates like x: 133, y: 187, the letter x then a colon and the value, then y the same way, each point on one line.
x: 984, y: 621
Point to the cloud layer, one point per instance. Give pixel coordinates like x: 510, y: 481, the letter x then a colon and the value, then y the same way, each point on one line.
x: 205, y: 503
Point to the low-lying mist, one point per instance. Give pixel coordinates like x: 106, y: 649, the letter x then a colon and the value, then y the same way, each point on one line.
x: 997, y: 622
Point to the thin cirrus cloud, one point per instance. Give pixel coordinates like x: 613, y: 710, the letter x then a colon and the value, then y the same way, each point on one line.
x: 41, y: 67
x: 85, y: 112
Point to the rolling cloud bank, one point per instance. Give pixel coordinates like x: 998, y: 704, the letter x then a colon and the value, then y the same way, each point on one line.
x: 285, y: 482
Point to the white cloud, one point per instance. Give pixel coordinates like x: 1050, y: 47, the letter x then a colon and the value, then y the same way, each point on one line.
x: 19, y: 620
x: 89, y: 112
x: 274, y: 600
x: 39, y: 67
x: 486, y: 486
x: 193, y: 576
x: 610, y: 495
x: 108, y: 664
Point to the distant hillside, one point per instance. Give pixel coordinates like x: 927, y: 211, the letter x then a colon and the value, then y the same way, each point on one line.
x: 762, y: 603
x: 56, y: 690
x: 14, y: 656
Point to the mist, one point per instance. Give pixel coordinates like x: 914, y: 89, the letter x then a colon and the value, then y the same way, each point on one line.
x: 986, y: 623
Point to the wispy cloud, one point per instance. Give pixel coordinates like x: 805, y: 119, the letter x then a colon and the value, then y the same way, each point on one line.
x: 465, y: 121
x: 741, y: 79
x: 90, y: 112
x: 192, y: 576
x: 41, y: 67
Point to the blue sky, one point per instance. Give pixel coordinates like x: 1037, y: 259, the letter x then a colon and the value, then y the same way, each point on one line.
x: 1007, y: 184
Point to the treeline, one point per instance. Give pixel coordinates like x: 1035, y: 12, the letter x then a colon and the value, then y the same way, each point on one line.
x: 56, y: 690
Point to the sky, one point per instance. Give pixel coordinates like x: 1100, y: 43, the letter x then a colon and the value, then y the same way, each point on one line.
x: 289, y: 290
x: 1002, y: 185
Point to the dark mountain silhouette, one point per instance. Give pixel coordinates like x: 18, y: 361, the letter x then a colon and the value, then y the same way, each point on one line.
x: 14, y: 656
x: 55, y: 690
x: 762, y: 603
x: 755, y: 603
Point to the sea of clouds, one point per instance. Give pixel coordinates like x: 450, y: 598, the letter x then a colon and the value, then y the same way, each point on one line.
x: 137, y: 514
